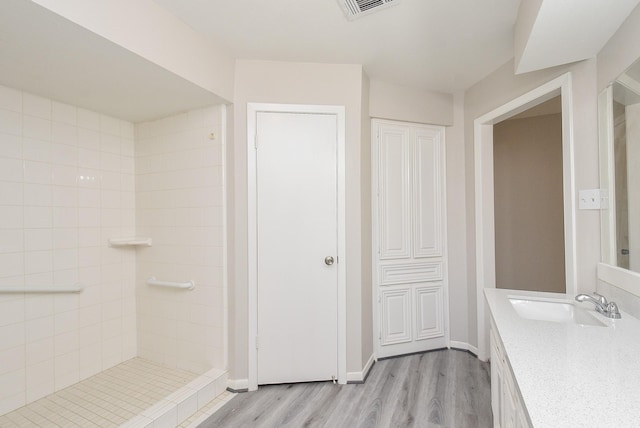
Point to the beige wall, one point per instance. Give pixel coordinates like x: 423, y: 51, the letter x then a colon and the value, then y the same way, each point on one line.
x: 529, y: 226
x: 301, y: 83
x: 396, y: 102
x: 366, y: 227
x: 620, y: 51
x: 503, y: 86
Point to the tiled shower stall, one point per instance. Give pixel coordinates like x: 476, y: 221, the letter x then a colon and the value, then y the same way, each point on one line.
x: 72, y: 179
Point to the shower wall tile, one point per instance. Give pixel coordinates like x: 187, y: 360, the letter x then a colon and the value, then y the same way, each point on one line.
x: 62, y: 170
x: 179, y: 202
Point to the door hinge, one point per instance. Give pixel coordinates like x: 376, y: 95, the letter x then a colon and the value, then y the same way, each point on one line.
x: 333, y: 379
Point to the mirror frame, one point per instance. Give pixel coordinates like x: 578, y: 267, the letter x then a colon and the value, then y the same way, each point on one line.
x: 607, y: 271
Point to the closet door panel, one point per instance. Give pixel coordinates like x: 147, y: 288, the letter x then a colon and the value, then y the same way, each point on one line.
x: 394, y: 195
x: 427, y: 195
x: 396, y: 316
x: 429, y: 317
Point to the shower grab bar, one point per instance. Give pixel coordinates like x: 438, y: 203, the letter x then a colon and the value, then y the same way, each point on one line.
x: 41, y: 290
x: 189, y: 285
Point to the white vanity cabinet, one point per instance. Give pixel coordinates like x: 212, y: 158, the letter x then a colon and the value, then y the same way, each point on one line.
x: 506, y: 403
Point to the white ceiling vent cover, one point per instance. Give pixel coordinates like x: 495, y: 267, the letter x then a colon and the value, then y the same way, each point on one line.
x: 358, y: 8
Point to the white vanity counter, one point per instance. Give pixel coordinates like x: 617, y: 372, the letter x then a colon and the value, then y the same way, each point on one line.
x: 571, y: 375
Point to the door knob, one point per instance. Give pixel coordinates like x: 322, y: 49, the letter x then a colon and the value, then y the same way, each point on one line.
x: 328, y: 260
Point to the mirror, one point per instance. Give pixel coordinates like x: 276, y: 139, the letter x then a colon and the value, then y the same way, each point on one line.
x: 619, y: 129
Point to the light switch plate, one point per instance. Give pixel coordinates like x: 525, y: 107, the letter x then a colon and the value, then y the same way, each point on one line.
x: 590, y: 199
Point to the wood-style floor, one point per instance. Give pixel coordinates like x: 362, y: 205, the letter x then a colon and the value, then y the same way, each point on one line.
x: 445, y: 388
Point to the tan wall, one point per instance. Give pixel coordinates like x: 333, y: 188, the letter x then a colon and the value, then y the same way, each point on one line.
x: 365, y: 226
x: 456, y: 221
x: 396, y: 102
x: 529, y: 226
x: 300, y: 83
x: 621, y: 50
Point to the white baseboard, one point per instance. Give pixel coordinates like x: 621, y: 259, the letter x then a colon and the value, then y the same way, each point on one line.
x: 357, y: 377
x: 464, y: 346
x: 238, y: 384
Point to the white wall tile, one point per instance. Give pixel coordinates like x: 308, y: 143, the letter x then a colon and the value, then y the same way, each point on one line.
x: 12, y: 335
x: 38, y: 195
x: 11, y: 169
x: 39, y: 351
x: 10, y: 99
x: 34, y: 105
x: 12, y: 381
x: 65, y: 259
x: 38, y: 239
x: 11, y: 241
x: 38, y: 217
x: 64, y: 133
x: 36, y: 128
x: 65, y: 238
x: 38, y: 262
x: 10, y: 122
x: 65, y: 322
x: 65, y: 217
x: 38, y: 329
x: 37, y: 150
x: 88, y: 119
x: 38, y: 306
x: 65, y: 175
x: 65, y: 196
x: 64, y: 113
x: 12, y: 193
x: 40, y: 380
x: 109, y: 162
x: 88, y: 139
x: 10, y: 146
x: 64, y: 154
x: 90, y: 361
x: 12, y: 359
x: 38, y: 172
x: 12, y: 264
x: 11, y: 311
x: 110, y: 144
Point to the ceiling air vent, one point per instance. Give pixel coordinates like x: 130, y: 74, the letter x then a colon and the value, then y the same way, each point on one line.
x: 358, y: 8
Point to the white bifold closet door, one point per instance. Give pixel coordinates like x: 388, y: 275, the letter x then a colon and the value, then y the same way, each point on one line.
x: 409, y: 231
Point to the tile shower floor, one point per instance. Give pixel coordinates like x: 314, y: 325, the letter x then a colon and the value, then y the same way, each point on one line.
x: 108, y: 399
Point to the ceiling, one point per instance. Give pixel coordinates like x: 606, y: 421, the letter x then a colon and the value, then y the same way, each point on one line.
x: 440, y: 45
x: 47, y: 55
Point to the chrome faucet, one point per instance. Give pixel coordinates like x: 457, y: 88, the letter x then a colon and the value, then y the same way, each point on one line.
x: 608, y: 309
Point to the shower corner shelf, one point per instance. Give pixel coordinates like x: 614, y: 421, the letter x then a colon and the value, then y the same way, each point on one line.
x: 129, y: 242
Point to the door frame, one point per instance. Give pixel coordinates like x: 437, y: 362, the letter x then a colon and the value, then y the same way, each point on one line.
x: 252, y: 234
x: 484, y: 201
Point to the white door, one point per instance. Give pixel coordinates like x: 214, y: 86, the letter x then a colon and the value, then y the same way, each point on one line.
x: 297, y: 277
x: 409, y: 259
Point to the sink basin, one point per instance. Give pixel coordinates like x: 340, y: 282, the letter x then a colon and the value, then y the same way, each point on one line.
x: 554, y: 311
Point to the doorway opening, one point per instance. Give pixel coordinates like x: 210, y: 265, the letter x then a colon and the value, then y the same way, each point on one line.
x: 484, y: 193
x: 528, y: 200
